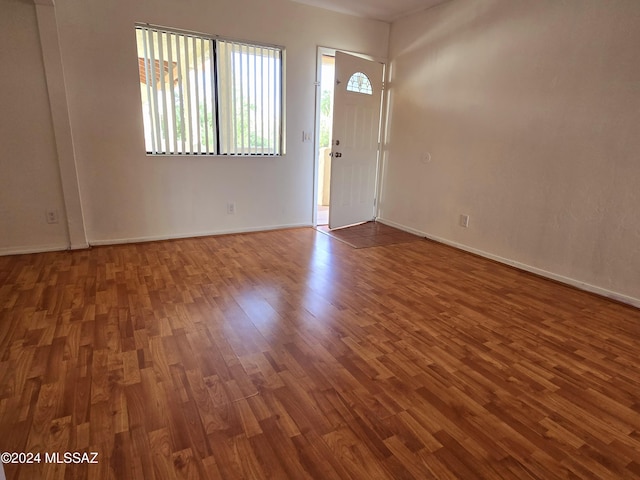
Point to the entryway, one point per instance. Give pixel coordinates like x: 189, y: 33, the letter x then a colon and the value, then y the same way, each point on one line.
x: 349, y: 105
x: 327, y: 75
x: 369, y: 234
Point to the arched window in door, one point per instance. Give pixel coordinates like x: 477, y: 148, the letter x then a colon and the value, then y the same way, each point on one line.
x: 359, y: 83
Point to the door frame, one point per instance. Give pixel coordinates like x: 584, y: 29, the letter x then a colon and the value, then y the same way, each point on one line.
x: 316, y: 135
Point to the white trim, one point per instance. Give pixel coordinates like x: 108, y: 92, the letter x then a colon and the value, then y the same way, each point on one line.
x: 157, y: 238
x: 316, y: 136
x: 635, y: 302
x: 34, y: 249
x: 61, y: 121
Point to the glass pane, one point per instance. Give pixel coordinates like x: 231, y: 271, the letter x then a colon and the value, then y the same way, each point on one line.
x: 360, y: 83
x: 177, y: 92
x: 250, y: 87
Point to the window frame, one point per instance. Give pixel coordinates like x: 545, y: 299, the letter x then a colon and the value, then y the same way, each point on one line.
x: 216, y: 89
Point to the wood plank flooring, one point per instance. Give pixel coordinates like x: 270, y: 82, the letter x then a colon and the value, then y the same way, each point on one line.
x: 289, y: 354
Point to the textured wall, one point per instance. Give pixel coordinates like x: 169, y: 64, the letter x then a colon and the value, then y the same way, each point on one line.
x: 531, y: 114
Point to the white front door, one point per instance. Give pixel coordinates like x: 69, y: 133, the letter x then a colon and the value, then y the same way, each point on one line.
x: 356, y: 128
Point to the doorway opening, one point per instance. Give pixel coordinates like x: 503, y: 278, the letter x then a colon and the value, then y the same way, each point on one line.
x: 325, y: 115
x: 349, y: 101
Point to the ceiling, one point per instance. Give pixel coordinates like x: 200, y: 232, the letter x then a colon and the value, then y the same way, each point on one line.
x: 385, y: 10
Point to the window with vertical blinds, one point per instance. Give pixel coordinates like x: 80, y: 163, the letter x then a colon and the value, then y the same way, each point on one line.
x: 209, y: 96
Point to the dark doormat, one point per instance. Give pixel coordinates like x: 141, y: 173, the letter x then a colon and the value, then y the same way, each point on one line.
x: 370, y: 234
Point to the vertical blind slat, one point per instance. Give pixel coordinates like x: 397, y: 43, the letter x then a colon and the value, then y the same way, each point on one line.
x: 241, y: 100
x: 233, y: 113
x: 204, y: 97
x: 254, y: 130
x: 261, y: 100
x: 154, y: 98
x: 165, y: 126
x: 276, y: 93
x: 180, y: 93
x: 198, y: 144
x: 147, y: 74
x: 276, y: 100
x: 269, y: 112
x: 172, y: 94
x: 214, y: 98
x: 189, y: 113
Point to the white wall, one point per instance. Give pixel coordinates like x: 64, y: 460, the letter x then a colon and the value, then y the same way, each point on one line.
x: 531, y: 113
x: 127, y: 195
x: 29, y: 174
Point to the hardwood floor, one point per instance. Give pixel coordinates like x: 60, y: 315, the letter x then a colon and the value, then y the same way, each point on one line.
x: 289, y: 354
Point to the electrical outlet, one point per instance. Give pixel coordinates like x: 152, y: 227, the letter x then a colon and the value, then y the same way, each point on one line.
x: 306, y: 136
x: 231, y: 208
x: 52, y: 216
x: 464, y: 221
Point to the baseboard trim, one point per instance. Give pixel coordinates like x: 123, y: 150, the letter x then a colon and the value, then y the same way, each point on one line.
x: 635, y: 302
x: 34, y: 249
x: 158, y: 238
